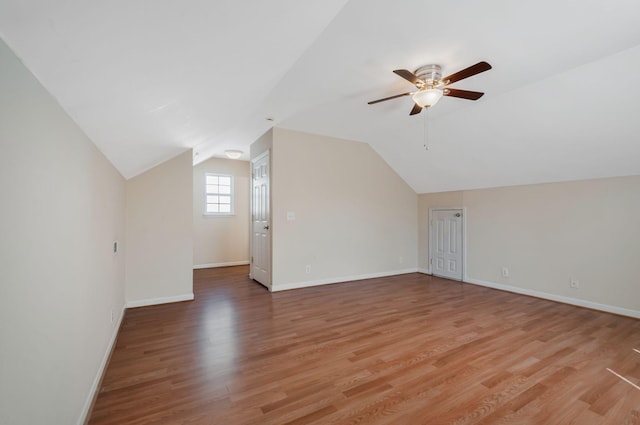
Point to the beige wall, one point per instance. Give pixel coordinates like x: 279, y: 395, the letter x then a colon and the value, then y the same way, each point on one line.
x: 159, y: 243
x: 62, y: 209
x: 355, y: 217
x: 264, y: 143
x: 547, y: 234
x: 221, y: 240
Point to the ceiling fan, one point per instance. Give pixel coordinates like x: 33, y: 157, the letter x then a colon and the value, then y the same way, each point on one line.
x: 431, y: 86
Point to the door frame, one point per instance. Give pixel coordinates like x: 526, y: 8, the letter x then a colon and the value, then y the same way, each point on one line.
x: 463, y: 210
x: 266, y: 153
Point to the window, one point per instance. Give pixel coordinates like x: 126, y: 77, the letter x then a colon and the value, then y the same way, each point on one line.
x: 219, y: 194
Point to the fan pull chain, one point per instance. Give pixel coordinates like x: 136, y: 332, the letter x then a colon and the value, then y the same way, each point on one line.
x: 426, y: 130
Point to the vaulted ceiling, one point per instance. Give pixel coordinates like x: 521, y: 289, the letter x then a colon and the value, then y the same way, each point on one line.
x: 147, y: 80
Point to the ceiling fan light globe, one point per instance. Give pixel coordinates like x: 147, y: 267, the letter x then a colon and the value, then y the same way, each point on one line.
x: 427, y: 98
x: 233, y: 153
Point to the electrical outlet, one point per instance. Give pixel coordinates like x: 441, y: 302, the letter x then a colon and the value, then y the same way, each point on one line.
x: 574, y: 283
x: 400, y: 259
x: 115, y: 247
x: 505, y: 272
x: 112, y: 316
x: 307, y: 269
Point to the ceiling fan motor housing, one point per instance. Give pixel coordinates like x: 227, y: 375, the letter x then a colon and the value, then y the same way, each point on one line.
x: 430, y: 74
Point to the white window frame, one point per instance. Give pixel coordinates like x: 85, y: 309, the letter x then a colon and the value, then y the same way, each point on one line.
x: 207, y: 194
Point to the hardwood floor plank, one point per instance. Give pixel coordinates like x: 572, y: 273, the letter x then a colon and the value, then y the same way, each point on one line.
x: 312, y: 417
x: 410, y: 349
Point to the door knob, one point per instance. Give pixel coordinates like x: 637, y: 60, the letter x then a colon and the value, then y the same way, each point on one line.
x: 266, y: 227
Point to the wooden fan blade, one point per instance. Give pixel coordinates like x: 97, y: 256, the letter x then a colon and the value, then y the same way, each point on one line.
x: 416, y: 109
x: 407, y: 75
x: 467, y: 72
x: 389, y: 98
x: 463, y: 94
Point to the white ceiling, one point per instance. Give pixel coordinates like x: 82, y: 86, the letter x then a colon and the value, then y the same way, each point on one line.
x: 147, y: 80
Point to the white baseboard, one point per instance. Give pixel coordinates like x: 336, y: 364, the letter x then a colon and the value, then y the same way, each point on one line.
x: 161, y: 300
x: 105, y: 358
x: 425, y: 271
x: 559, y: 298
x: 306, y: 284
x: 103, y: 364
x: 214, y: 265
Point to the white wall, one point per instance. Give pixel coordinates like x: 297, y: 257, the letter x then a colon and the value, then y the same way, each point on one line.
x: 547, y: 234
x: 159, y: 243
x: 221, y: 240
x: 355, y: 217
x: 62, y: 208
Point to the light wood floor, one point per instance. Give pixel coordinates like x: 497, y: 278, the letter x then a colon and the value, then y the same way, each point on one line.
x: 409, y: 349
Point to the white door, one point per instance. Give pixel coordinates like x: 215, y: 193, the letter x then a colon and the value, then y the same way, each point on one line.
x: 260, y: 225
x: 446, y: 243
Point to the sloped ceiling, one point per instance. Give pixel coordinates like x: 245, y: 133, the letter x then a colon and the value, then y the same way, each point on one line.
x: 148, y: 79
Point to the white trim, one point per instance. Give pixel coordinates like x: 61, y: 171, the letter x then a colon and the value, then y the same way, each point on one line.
x: 101, y: 369
x: 425, y: 271
x: 306, y: 284
x: 214, y: 265
x: 464, y: 243
x: 161, y: 300
x: 559, y: 298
